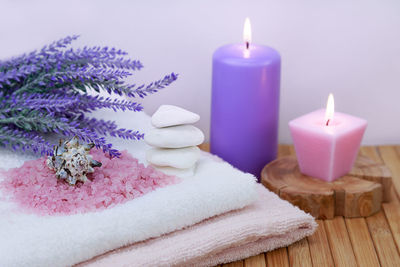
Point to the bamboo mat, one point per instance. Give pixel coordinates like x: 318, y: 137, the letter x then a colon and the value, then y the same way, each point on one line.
x: 372, y: 241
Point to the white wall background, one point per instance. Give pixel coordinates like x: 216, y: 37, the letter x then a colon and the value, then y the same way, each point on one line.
x: 348, y: 47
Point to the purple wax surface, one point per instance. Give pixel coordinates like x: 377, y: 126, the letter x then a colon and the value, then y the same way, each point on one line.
x: 245, y: 105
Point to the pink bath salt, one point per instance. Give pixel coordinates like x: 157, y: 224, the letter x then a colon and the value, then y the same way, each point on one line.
x: 34, y: 187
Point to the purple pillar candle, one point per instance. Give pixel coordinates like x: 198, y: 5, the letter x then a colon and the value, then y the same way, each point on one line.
x: 245, y: 104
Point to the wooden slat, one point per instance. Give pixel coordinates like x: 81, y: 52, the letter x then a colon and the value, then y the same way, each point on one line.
x: 392, y: 213
x: 391, y: 159
x: 234, y: 264
x: 299, y: 254
x: 256, y: 261
x: 361, y: 241
x: 360, y: 236
x: 382, y: 235
x: 392, y: 209
x: 319, y: 247
x: 383, y: 240
x: 339, y: 242
x: 278, y: 258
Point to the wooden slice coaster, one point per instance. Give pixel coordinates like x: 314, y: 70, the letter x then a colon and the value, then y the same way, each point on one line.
x: 358, y: 194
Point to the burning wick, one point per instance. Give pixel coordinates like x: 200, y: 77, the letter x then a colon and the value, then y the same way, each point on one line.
x: 247, y: 33
x: 330, y: 109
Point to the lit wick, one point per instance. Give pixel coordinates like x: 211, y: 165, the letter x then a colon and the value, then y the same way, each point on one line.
x: 247, y: 33
x: 330, y: 109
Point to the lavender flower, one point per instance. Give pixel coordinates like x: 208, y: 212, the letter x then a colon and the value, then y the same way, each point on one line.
x: 110, y: 128
x: 44, y: 92
x: 17, y: 139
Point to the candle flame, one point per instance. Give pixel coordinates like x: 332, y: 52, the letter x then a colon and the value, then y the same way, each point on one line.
x: 247, y: 32
x: 330, y: 109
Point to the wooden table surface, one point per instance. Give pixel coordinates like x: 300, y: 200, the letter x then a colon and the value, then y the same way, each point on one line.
x: 372, y: 241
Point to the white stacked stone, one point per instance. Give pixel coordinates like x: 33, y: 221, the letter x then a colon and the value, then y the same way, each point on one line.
x: 174, y: 141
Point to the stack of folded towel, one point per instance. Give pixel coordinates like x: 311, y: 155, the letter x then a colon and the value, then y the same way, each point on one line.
x: 266, y: 224
x: 218, y: 215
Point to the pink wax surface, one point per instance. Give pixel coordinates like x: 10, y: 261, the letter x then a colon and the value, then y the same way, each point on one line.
x: 326, y: 152
x: 35, y: 188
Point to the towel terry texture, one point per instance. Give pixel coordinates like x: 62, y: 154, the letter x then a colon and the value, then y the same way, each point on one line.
x: 267, y: 224
x: 32, y: 240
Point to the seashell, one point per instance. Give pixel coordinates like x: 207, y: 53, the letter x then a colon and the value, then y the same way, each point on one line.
x: 71, y: 161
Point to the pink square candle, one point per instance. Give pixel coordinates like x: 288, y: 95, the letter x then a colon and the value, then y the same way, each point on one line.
x: 326, y: 151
